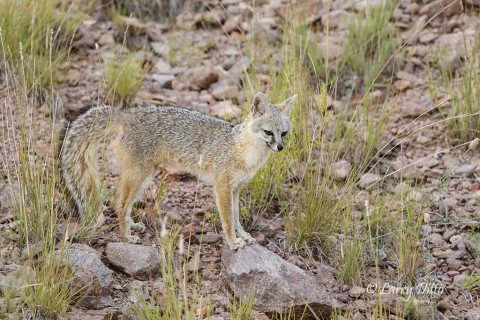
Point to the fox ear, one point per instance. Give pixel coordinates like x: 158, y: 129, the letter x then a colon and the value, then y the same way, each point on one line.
x: 259, y: 102
x: 286, y: 106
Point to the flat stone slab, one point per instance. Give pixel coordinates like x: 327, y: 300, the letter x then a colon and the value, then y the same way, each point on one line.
x: 140, y: 262
x: 278, y: 285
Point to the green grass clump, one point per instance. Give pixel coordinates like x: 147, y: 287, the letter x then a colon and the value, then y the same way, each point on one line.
x: 123, y: 78
x: 46, y: 290
x: 370, y: 42
x: 181, y: 296
x: 36, y: 36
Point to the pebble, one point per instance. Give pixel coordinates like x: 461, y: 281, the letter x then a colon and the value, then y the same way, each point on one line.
x: 341, y: 170
x: 369, y: 180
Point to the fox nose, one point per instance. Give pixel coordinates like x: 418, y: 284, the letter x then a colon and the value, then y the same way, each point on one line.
x: 280, y: 147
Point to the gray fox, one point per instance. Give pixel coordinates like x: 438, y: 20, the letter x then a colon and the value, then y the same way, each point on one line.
x: 146, y: 137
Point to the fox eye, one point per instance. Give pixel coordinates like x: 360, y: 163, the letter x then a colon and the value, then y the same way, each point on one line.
x: 268, y: 133
x: 284, y: 133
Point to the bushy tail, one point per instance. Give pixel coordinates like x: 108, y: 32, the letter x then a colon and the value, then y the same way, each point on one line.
x: 78, y: 156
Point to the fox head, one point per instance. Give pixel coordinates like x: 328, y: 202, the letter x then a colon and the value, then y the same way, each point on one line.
x: 270, y: 123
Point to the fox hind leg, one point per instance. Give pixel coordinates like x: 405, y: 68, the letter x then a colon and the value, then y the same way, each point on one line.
x: 130, y: 186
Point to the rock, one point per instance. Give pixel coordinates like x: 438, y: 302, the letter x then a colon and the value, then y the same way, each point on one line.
x: 435, y: 240
x: 232, y: 24
x: 140, y: 262
x: 163, y: 80
x: 162, y: 67
x: 67, y: 231
x: 338, y: 19
x: 160, y: 48
x: 90, y: 275
x: 404, y: 169
x: 9, y: 194
x: 402, y: 85
x: 225, y: 109
x: 427, y: 37
x: 415, y: 103
x: 106, y: 39
x: 223, y: 90
x: 452, y: 254
x: 330, y: 50
x: 473, y: 244
x: 341, y: 169
x: 212, y: 17
x: 446, y: 8
x: 461, y: 42
x: 80, y: 314
x: 278, y: 286
x: 474, y: 313
x: 365, y: 5
x: 454, y: 264
x: 465, y: 170
x: 132, y: 24
x: 459, y: 279
x: 457, y: 240
x: 356, y: 291
x: 369, y: 180
x: 211, y: 237
x: 195, y: 79
x: 448, y: 234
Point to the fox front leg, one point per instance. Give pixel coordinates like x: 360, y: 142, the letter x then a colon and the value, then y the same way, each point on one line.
x: 236, y: 218
x: 224, y: 203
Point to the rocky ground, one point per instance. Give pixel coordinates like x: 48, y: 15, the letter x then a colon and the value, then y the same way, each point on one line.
x: 198, y: 63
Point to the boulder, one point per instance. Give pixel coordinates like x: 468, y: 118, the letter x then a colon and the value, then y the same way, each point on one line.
x: 90, y: 275
x: 140, y: 262
x: 278, y: 286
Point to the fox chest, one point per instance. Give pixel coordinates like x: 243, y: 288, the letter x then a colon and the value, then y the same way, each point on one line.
x: 252, y: 160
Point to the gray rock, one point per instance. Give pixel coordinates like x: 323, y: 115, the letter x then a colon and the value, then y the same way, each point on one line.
x: 195, y: 79
x: 459, y: 279
x: 433, y: 8
x: 277, y: 284
x: 341, y: 169
x: 140, y: 262
x: 338, y: 19
x: 232, y: 23
x: 9, y: 192
x: 356, y: 291
x: 160, y: 48
x: 162, y: 67
x: 473, y: 243
x: 90, y: 275
x: 369, y: 180
x: 224, y: 109
x: 451, y: 254
x: 164, y: 80
x: 435, y: 240
x: 223, y: 90
x: 465, y: 170
x: 474, y: 313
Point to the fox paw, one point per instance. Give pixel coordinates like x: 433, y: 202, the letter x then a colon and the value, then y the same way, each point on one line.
x: 138, y: 226
x: 133, y: 239
x: 236, y: 244
x: 246, y: 237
